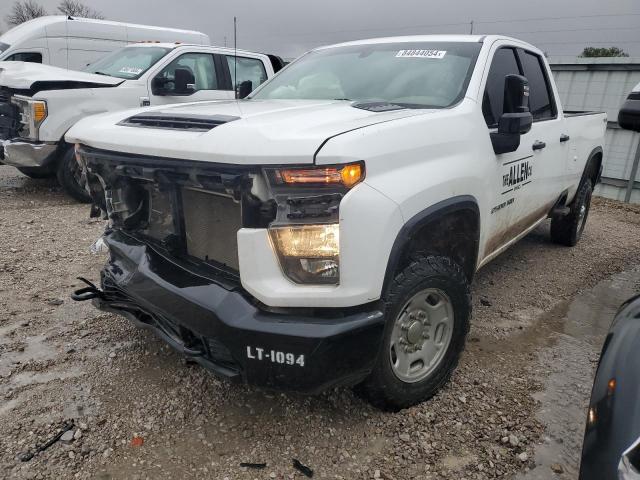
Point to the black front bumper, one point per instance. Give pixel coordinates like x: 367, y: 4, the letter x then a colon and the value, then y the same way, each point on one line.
x: 221, y: 328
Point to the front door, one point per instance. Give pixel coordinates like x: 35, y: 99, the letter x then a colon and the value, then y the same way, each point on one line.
x: 513, y: 189
x: 205, y: 80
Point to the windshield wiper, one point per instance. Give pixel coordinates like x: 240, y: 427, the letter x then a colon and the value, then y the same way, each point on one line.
x: 345, y: 99
x: 102, y: 73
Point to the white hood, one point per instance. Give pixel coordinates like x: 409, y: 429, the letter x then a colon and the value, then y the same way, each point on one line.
x: 22, y: 75
x: 265, y: 131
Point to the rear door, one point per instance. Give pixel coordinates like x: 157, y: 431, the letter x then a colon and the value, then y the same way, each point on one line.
x: 209, y: 82
x: 551, y: 143
x: 245, y: 68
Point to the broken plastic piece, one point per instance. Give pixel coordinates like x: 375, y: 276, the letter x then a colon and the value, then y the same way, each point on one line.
x: 26, y: 456
x: 253, y: 465
x: 302, y: 468
x: 137, y: 441
x: 99, y: 246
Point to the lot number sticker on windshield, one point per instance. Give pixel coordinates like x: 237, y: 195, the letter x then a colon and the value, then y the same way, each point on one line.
x: 130, y: 70
x: 421, y: 53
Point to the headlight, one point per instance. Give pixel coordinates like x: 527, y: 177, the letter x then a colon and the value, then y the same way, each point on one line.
x: 309, y: 253
x: 32, y: 114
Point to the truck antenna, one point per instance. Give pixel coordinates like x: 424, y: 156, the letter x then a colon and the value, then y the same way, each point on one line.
x: 235, y: 58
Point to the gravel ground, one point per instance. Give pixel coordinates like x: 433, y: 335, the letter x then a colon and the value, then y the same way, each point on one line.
x: 140, y: 411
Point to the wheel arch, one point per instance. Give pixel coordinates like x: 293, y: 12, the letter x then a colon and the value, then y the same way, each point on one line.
x: 460, y: 211
x: 593, y: 167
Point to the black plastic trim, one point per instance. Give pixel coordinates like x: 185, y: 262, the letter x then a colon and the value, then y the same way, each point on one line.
x: 438, y: 210
x: 594, y: 152
x: 187, y: 311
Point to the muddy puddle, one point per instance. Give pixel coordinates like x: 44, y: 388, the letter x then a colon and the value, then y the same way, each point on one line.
x: 573, y: 333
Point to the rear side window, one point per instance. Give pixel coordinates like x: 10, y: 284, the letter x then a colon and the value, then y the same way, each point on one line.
x: 504, y: 63
x: 251, y: 69
x: 32, y: 57
x: 540, y: 96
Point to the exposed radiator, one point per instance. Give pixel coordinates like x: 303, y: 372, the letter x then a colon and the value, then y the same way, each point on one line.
x: 211, y: 223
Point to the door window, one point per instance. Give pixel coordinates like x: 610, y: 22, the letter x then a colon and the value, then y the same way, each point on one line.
x: 243, y: 69
x: 200, y: 65
x: 32, y: 57
x: 504, y: 63
x: 540, y: 95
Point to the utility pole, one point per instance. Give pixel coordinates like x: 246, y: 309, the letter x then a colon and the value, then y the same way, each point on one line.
x: 471, y: 32
x: 225, y: 40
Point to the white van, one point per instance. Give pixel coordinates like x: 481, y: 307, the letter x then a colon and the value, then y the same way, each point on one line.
x: 73, y: 43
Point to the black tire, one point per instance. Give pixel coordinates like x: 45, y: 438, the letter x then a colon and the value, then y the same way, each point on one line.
x: 69, y: 175
x: 567, y: 229
x: 383, y: 388
x: 37, y: 172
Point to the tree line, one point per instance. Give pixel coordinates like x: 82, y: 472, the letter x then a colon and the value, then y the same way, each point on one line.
x: 24, y: 10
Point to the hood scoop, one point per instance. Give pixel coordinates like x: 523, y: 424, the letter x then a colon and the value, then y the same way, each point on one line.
x: 177, y: 121
x: 377, y: 106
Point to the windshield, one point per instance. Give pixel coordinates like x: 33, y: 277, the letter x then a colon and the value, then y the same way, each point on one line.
x: 419, y: 75
x: 3, y: 46
x: 129, y: 62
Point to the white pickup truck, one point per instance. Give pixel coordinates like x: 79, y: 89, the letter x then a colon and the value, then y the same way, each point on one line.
x: 39, y: 103
x: 325, y: 230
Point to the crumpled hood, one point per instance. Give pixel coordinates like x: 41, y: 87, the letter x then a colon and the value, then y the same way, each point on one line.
x: 255, y: 132
x: 26, y: 75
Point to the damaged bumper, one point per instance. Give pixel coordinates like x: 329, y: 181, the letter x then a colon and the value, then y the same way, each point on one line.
x: 22, y: 153
x: 217, y: 324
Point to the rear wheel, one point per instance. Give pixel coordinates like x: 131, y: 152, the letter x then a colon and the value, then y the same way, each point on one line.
x: 428, y: 307
x: 567, y: 230
x: 37, y: 172
x: 69, y: 177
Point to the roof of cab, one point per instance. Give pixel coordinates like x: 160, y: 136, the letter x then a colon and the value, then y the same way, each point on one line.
x: 427, y: 38
x: 191, y: 45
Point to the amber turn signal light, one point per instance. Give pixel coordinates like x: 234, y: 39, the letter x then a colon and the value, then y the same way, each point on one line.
x: 39, y: 111
x: 347, y: 175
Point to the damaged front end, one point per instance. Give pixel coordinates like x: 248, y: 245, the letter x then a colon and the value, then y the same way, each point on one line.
x: 174, y: 264
x: 188, y: 209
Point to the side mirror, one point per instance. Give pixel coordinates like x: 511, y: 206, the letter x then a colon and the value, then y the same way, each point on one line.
x: 629, y: 115
x: 158, y: 85
x: 185, y: 81
x: 516, y: 119
x: 244, y: 88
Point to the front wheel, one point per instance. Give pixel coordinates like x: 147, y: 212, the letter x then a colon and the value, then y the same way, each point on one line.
x: 567, y: 230
x: 428, y: 308
x: 69, y: 177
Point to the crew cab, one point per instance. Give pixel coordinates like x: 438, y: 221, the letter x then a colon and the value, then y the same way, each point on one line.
x: 39, y: 103
x: 325, y: 230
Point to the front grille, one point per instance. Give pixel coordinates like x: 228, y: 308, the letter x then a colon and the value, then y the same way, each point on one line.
x: 211, y: 223
x: 176, y: 121
x: 5, y: 95
x: 9, y: 115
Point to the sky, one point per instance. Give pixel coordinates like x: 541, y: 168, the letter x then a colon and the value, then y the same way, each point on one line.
x: 288, y: 28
